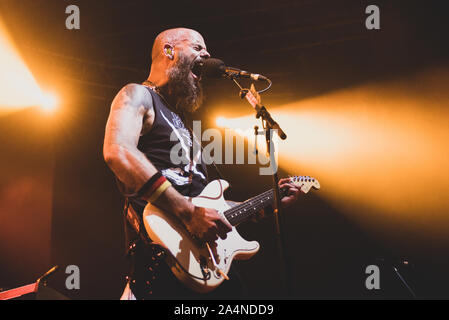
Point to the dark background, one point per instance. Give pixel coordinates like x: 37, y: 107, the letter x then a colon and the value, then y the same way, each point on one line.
x: 317, y: 46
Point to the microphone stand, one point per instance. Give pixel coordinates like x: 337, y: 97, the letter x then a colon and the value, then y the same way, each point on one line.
x: 270, y: 127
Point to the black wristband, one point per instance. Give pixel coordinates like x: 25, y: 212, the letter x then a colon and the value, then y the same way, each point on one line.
x: 148, y: 184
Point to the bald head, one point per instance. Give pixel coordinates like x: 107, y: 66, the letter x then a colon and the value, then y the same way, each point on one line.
x: 173, y: 37
x: 177, y: 57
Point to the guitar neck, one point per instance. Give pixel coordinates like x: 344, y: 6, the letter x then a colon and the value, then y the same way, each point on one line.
x: 247, y: 209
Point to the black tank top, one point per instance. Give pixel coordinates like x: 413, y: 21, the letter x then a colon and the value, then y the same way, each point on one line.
x: 189, y: 177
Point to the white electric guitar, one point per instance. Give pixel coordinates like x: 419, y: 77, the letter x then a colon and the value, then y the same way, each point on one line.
x: 204, y: 267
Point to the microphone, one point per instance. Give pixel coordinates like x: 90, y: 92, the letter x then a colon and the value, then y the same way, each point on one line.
x: 215, y: 68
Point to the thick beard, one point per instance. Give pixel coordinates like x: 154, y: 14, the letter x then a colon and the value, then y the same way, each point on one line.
x: 182, y: 89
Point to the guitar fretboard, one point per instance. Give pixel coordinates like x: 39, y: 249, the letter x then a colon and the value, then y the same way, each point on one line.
x: 245, y: 210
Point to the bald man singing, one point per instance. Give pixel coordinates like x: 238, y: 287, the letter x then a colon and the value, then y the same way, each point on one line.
x: 137, y: 148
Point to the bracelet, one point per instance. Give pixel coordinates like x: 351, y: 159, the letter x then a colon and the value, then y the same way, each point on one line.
x: 160, y: 190
x: 149, y: 184
x: 154, y: 187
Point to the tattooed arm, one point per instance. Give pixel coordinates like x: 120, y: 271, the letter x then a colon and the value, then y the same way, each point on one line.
x: 132, y: 114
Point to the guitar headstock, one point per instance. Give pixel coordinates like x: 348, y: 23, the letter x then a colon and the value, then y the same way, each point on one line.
x: 305, y: 183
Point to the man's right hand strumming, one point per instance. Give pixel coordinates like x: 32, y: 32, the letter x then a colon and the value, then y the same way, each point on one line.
x: 206, y: 224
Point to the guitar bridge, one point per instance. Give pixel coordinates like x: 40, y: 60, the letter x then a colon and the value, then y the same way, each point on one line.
x: 218, y: 270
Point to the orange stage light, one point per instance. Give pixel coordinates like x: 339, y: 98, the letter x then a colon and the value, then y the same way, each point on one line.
x: 18, y: 87
x: 381, y: 152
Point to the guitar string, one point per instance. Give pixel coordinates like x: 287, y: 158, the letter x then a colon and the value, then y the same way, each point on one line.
x: 241, y: 212
x: 256, y: 201
x: 248, y: 203
x: 242, y: 216
x: 235, y: 214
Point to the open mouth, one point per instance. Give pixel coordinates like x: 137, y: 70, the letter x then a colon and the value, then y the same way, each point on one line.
x: 197, y: 69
